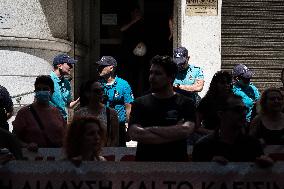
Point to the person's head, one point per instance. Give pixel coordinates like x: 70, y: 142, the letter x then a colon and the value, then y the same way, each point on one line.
x: 64, y: 64
x: 231, y: 112
x: 271, y: 100
x: 107, y: 66
x: 162, y: 73
x: 242, y: 75
x: 44, y: 88
x: 91, y: 92
x: 181, y: 58
x: 221, y: 84
x: 85, y: 137
x: 282, y: 76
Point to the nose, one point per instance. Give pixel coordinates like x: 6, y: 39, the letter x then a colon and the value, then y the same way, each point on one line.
x: 151, y: 76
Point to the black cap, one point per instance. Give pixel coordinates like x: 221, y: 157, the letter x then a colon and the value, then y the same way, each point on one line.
x: 242, y: 70
x: 180, y: 55
x: 63, y: 58
x: 107, y: 61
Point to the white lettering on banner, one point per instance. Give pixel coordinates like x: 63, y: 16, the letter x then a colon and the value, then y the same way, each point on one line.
x: 139, y: 175
x: 120, y: 152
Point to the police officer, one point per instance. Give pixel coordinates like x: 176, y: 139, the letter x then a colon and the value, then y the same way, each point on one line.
x: 190, y: 78
x: 118, y: 92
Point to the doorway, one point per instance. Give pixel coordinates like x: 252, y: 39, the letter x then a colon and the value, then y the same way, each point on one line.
x: 122, y: 32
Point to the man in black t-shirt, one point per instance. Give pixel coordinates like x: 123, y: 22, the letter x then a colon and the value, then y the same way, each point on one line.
x: 229, y: 143
x: 163, y: 120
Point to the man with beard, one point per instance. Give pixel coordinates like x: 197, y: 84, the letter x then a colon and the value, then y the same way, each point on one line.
x: 162, y: 121
x: 190, y: 79
x: 229, y: 143
x: 62, y: 96
x: 245, y: 89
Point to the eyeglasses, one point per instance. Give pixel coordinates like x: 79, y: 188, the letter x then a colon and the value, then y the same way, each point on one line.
x: 238, y: 109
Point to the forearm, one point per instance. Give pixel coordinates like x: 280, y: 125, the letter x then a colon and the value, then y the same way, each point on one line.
x: 128, y: 110
x: 174, y: 132
x: 144, y: 135
x: 196, y: 87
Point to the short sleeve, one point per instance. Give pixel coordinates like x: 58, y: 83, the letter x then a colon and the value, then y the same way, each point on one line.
x: 200, y: 74
x: 128, y: 95
x: 69, y: 91
x: 135, y: 114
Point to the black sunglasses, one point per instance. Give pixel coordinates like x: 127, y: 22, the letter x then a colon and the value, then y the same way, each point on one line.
x: 238, y: 109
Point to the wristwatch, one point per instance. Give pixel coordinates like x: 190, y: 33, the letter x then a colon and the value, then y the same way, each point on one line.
x: 177, y: 85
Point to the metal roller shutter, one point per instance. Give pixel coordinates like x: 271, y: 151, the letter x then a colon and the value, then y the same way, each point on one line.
x: 253, y: 34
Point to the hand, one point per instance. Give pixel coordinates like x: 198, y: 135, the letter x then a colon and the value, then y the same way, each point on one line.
x: 264, y: 161
x: 33, y: 147
x: 77, y: 160
x: 136, y: 16
x: 220, y: 159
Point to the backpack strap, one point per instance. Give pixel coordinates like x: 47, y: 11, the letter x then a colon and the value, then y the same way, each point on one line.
x: 34, y: 113
x: 36, y: 117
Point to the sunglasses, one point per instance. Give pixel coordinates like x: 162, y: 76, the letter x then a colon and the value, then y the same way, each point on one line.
x: 101, y: 67
x: 238, y: 109
x: 70, y: 65
x: 42, y: 89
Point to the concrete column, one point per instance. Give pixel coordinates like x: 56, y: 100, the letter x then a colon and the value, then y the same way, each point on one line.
x: 32, y: 32
x: 200, y: 33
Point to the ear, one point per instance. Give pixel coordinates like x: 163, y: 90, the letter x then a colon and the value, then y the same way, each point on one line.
x: 59, y: 66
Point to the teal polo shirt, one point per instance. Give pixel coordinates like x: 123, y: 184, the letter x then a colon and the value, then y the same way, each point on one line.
x: 62, y: 94
x: 189, y: 75
x: 250, y: 95
x: 119, y: 93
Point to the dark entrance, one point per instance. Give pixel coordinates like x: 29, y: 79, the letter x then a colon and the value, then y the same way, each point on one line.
x: 121, y: 38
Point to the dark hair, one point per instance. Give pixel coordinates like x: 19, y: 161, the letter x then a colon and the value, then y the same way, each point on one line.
x: 264, y: 96
x: 220, y: 76
x: 84, y: 88
x: 46, y: 80
x: 167, y: 64
x: 224, y: 104
x: 75, y: 134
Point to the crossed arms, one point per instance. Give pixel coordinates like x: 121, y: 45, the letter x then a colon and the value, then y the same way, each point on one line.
x: 160, y: 134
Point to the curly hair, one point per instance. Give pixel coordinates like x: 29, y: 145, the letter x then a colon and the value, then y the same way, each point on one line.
x: 75, y: 136
x: 220, y: 76
x: 264, y: 97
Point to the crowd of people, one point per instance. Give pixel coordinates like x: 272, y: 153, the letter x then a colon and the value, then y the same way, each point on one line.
x: 232, y: 122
